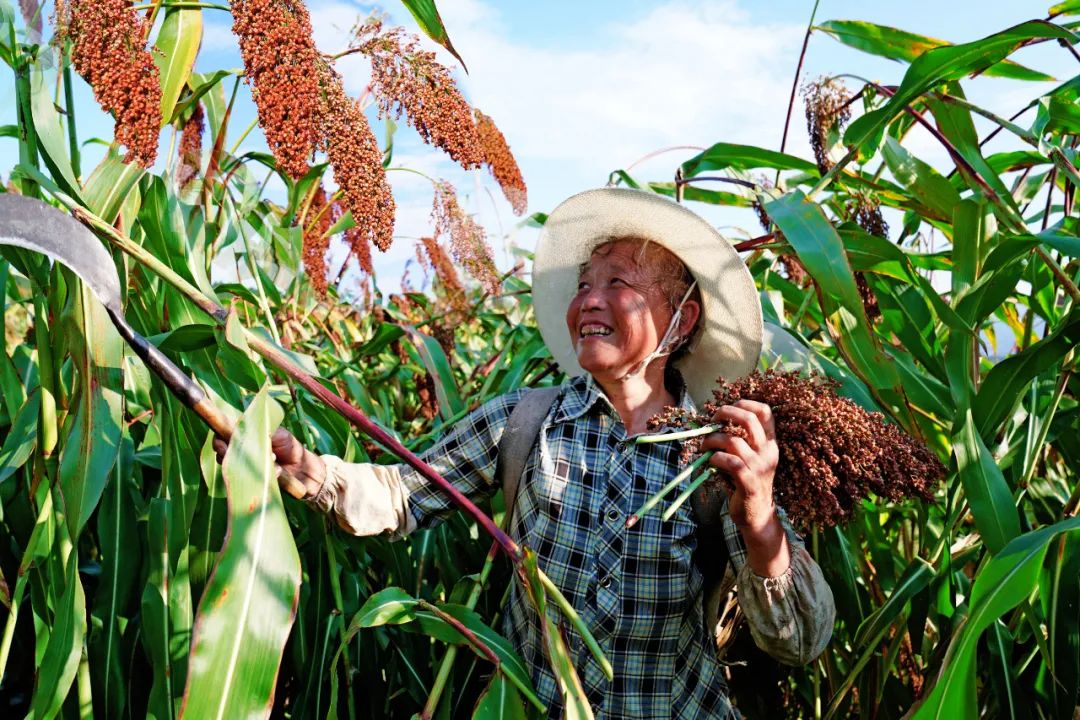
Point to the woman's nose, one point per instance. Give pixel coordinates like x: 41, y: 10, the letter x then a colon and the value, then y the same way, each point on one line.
x: 592, y: 299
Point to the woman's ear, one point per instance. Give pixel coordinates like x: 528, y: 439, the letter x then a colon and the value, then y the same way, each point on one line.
x: 691, y: 311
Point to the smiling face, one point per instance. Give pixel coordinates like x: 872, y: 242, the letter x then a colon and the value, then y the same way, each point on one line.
x: 621, y: 311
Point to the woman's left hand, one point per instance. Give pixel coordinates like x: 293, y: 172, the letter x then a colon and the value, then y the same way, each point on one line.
x: 750, y: 463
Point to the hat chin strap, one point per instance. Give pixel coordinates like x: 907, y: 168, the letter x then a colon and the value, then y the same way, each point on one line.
x: 668, y: 343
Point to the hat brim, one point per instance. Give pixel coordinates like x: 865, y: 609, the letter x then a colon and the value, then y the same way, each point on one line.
x: 729, y: 342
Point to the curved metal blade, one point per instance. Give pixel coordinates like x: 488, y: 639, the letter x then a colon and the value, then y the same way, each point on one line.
x: 29, y: 223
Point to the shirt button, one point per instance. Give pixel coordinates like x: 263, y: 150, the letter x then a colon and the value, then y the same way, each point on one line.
x: 605, y: 581
x: 612, y: 515
x: 621, y: 445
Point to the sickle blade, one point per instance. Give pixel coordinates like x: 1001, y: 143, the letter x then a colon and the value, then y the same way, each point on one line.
x: 34, y: 225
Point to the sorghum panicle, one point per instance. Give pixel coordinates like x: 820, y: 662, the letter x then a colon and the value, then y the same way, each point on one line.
x: 445, y: 271
x: 316, y: 241
x: 869, y: 218
x: 108, y: 49
x: 357, y: 161
x: 468, y: 242
x: 501, y: 162
x: 406, y: 78
x: 826, y: 108
x: 833, y: 453
x: 359, y: 247
x: 281, y: 63
x: 191, y: 138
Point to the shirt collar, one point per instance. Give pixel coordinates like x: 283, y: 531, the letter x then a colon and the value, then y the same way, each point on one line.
x: 582, y: 392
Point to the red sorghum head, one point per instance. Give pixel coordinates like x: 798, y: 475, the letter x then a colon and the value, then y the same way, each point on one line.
x: 468, y: 242
x: 833, y: 453
x: 406, y: 78
x: 282, y: 65
x: 108, y: 49
x: 357, y: 161
x: 316, y: 223
x: 191, y: 147
x: 501, y: 162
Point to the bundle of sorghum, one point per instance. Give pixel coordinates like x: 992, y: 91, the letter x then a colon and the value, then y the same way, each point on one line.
x: 108, y: 48
x: 437, y: 259
x: 833, y: 453
x: 406, y: 78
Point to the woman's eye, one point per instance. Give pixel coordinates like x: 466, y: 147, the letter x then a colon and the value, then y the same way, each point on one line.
x: 582, y: 286
x: 618, y: 280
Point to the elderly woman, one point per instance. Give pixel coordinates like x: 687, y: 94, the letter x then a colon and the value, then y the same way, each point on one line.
x: 644, y: 305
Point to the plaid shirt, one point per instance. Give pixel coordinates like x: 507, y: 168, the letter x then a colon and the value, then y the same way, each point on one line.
x: 637, y: 590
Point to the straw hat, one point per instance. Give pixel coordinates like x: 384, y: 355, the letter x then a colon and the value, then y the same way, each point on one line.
x: 729, y: 341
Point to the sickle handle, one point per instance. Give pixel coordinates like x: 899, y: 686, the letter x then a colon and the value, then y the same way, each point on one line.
x: 189, y: 392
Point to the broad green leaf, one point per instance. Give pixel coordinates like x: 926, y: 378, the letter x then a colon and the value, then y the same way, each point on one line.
x: 941, y: 64
x: 922, y: 180
x: 1003, y: 386
x: 1069, y: 7
x: 1006, y: 580
x: 500, y: 701
x: 984, y: 487
x: 249, y: 604
x: 91, y: 446
x: 722, y: 156
x: 109, y: 184
x: 21, y: 438
x: 51, y: 138
x: 437, y: 364
x: 969, y: 231
x: 167, y: 656
x: 906, y: 46
x: 427, y: 17
x: 821, y: 252
x: 120, y: 570
x: 916, y: 577
x: 392, y: 606
x: 177, y: 45
x: 57, y: 669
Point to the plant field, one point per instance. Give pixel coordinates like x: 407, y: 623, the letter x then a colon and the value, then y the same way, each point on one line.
x: 140, y: 579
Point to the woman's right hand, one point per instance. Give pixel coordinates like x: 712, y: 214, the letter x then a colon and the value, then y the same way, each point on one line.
x: 300, y: 472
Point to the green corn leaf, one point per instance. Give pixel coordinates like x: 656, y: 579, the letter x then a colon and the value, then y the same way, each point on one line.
x: 916, y: 577
x: 723, y: 156
x: 985, y: 488
x: 249, y: 604
x: 1006, y: 580
x: 427, y: 17
x: 904, y: 46
x: 177, y: 45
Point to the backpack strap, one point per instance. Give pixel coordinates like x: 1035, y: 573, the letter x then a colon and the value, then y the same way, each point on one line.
x: 518, y: 439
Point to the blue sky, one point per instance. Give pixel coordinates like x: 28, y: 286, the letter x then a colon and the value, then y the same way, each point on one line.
x: 583, y: 88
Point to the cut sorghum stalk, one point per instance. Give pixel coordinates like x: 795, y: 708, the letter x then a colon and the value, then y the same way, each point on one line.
x: 685, y: 494
x: 675, y: 482
x: 680, y: 435
x: 568, y: 611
